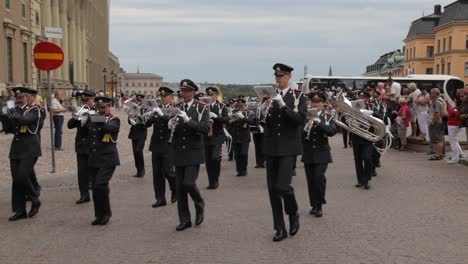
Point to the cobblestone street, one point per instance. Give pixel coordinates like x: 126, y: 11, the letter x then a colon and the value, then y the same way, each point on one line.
x: 415, y: 212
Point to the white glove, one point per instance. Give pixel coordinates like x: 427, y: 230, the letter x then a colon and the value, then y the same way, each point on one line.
x: 213, y: 115
x: 366, y: 113
x: 158, y: 111
x: 279, y: 99
x: 240, y: 115
x: 184, y: 116
x: 317, y: 120
x: 171, y: 123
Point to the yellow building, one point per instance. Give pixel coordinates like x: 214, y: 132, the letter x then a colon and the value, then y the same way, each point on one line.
x: 438, y: 43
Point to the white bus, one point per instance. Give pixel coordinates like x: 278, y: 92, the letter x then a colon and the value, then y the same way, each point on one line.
x: 446, y: 83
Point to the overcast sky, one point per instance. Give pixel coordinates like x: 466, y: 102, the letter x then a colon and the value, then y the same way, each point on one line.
x: 238, y: 41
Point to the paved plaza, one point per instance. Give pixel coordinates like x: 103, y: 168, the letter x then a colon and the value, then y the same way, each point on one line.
x: 416, y: 212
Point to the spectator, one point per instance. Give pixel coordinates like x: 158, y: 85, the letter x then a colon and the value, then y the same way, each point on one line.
x: 422, y: 108
x: 435, y: 123
x: 454, y: 123
x: 402, y: 122
x: 413, y: 96
x: 57, y: 110
x: 395, y: 89
x: 464, y: 111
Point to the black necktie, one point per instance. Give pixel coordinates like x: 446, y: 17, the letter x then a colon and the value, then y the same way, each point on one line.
x: 186, y: 107
x: 281, y: 93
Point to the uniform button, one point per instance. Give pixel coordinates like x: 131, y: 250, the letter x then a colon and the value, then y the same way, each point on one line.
x: 279, y: 125
x: 83, y: 139
x: 279, y: 134
x: 94, y: 143
x: 160, y: 137
x: 94, y: 150
x: 183, y: 147
x: 313, y: 140
x: 183, y: 138
x: 279, y: 115
x: 94, y: 129
x: 313, y: 146
x: 94, y: 135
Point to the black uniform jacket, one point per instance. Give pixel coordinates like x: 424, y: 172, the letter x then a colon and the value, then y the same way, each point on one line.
x: 103, y: 143
x: 282, y: 135
x: 81, y: 137
x: 161, y: 134
x: 188, y: 136
x: 240, y: 128
x: 24, y: 124
x: 218, y: 124
x: 138, y: 131
x: 317, y: 149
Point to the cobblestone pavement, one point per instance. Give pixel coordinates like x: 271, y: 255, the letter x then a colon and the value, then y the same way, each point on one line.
x: 416, y: 212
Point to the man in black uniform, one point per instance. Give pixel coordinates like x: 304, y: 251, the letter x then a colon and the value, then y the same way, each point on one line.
x: 82, y: 143
x: 162, y: 152
x: 23, y: 122
x: 190, y: 126
x: 257, y: 135
x: 213, y: 140
x: 317, y: 154
x: 103, y: 157
x: 282, y: 143
x: 43, y: 114
x: 138, y: 134
x: 379, y: 111
x: 362, y: 151
x: 240, y: 123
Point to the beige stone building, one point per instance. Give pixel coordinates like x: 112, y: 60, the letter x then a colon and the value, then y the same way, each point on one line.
x: 141, y: 83
x: 438, y: 43
x: 85, y: 42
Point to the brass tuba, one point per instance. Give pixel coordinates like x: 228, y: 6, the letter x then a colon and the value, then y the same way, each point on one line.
x: 353, y: 120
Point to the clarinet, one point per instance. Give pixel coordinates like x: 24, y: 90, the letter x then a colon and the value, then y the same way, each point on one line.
x: 176, y: 120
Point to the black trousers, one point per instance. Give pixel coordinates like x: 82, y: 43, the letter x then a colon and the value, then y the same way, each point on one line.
x: 163, y: 169
x: 58, y: 125
x: 316, y: 182
x: 231, y: 152
x: 363, y: 161
x: 279, y: 178
x: 346, y: 138
x: 241, y: 155
x: 186, y: 184
x: 83, y: 172
x: 258, y: 142
x: 101, y: 191
x: 376, y: 155
x: 137, y: 147
x: 213, y: 163
x: 22, y: 185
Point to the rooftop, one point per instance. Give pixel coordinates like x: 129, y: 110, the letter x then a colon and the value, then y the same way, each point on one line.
x: 455, y: 12
x: 129, y: 76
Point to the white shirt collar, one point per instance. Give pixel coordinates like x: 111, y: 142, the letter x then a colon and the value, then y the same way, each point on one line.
x: 285, y: 91
x: 189, y: 104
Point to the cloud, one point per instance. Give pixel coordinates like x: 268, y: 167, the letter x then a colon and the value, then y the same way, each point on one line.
x: 238, y: 41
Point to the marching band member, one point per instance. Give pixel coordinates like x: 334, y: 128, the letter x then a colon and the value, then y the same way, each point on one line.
x: 379, y: 110
x: 23, y: 121
x: 214, y: 139
x: 189, y: 127
x: 317, y: 156
x: 231, y: 107
x: 282, y: 144
x: 103, y: 157
x: 240, y: 121
x: 82, y: 145
x: 138, y: 134
x: 162, y: 153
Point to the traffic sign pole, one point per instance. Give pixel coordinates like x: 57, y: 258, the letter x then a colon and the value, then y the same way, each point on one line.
x: 51, y: 120
x: 47, y: 57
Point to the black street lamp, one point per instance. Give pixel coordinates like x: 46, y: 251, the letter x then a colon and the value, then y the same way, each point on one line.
x: 104, y: 73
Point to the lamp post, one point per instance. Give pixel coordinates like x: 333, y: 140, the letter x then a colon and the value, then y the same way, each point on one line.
x: 104, y: 73
x: 113, y: 78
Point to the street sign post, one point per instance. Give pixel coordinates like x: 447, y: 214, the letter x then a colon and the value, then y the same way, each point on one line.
x: 51, y: 32
x: 47, y: 57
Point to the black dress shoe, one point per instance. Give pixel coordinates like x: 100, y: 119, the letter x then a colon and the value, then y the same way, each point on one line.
x: 293, y: 224
x: 318, y: 211
x: 18, y: 216
x: 199, y: 217
x: 212, y: 186
x: 83, y: 199
x: 173, y: 197
x: 242, y: 173
x: 183, y: 226
x: 367, y: 187
x: 159, y: 203
x: 34, y: 208
x: 104, y: 220
x: 280, y: 235
x: 374, y: 173
x: 358, y: 185
x: 313, y: 210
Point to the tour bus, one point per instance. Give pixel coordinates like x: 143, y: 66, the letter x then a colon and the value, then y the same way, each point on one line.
x: 446, y: 83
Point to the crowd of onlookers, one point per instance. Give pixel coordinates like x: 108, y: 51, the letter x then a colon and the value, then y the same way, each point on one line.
x: 423, y: 111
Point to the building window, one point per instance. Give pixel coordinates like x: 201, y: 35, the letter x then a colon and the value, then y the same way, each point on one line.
x: 466, y: 44
x: 10, y: 59
x: 145, y: 84
x: 429, y: 71
x: 430, y: 51
x: 444, y: 45
x: 139, y: 85
x: 466, y: 69
x: 449, y: 68
x: 450, y: 44
x: 7, y: 4
x: 133, y: 84
x: 414, y: 52
x: 151, y: 84
x: 443, y: 68
x: 437, y: 69
x: 23, y: 9
x: 38, y: 21
x: 438, y: 46
x: 25, y: 62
